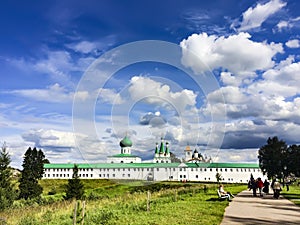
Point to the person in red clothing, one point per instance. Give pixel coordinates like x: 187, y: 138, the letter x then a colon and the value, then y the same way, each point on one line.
x: 260, y: 185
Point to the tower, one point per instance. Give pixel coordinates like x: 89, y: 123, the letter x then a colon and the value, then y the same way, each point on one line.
x: 162, y: 153
x: 187, y: 153
x: 125, y: 145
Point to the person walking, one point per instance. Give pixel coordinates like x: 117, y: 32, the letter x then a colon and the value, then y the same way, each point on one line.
x: 266, y: 186
x: 260, y: 185
x: 276, y: 189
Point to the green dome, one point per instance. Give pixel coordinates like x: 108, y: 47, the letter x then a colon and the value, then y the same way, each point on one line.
x: 126, y: 142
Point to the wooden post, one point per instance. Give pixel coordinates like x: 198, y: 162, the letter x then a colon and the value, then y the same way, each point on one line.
x: 75, y: 213
x: 83, y: 212
x: 175, y: 195
x: 148, y: 200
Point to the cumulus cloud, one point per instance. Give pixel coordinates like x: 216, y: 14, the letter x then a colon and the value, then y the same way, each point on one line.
x: 152, y: 119
x: 53, y: 138
x: 110, y: 96
x: 154, y: 92
x: 236, y: 53
x: 294, y: 43
x: 253, y: 17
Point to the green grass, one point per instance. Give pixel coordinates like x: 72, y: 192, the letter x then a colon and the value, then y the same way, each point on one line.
x: 293, y: 194
x: 171, y: 203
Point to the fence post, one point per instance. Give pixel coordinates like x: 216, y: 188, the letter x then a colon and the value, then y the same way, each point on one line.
x: 75, y: 213
x: 148, y: 200
x: 83, y: 212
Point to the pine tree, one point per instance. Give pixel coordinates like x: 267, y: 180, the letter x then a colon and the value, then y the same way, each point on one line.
x: 33, y: 170
x: 75, y: 188
x: 7, y: 191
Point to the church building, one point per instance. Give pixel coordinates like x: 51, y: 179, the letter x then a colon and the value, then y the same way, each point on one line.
x: 126, y: 166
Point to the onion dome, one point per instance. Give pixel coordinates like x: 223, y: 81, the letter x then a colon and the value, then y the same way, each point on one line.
x: 126, y: 142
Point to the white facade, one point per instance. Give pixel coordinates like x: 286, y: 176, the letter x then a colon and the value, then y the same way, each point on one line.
x: 206, y: 172
x: 125, y: 166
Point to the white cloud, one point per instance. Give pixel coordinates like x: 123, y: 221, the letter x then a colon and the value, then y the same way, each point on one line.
x: 83, y: 46
x: 255, y: 16
x: 287, y: 24
x: 54, y: 93
x: 237, y: 53
x: 282, y: 24
x: 110, y: 96
x: 154, y: 92
x: 294, y: 43
x: 53, y: 138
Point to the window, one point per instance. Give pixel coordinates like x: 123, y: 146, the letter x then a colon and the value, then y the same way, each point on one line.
x: 99, y: 175
x: 197, y: 176
x: 211, y: 169
x: 91, y: 175
x: 157, y: 169
x: 129, y: 175
x: 114, y: 175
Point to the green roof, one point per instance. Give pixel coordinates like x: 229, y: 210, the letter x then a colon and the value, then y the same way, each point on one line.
x: 126, y: 142
x: 149, y: 165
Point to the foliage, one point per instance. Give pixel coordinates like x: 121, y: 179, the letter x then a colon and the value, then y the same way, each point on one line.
x: 218, y: 177
x: 78, y: 212
x: 293, y: 193
x: 174, y: 159
x: 7, y: 191
x: 75, y: 188
x: 199, y: 207
x: 33, y: 170
x: 276, y: 159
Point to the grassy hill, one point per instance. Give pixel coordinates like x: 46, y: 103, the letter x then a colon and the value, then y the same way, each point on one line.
x: 109, y: 202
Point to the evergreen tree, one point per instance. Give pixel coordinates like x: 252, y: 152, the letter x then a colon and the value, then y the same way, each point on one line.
x: 7, y: 191
x: 33, y: 170
x: 273, y: 157
x: 75, y: 188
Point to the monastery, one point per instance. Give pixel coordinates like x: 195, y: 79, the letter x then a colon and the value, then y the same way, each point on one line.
x: 130, y: 167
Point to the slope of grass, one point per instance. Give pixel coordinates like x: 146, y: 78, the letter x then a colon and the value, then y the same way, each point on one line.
x: 171, y: 203
x: 293, y: 194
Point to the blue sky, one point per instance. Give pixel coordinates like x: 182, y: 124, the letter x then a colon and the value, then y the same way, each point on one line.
x: 249, y: 51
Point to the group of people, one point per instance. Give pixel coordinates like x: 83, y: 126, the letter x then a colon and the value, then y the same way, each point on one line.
x: 258, y: 184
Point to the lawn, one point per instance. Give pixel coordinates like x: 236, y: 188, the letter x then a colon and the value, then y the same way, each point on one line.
x: 293, y: 194
x: 116, y: 203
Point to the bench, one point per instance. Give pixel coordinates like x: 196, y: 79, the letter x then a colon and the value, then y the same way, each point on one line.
x: 223, y: 197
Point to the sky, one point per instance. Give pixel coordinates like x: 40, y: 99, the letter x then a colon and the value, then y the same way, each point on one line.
x: 77, y: 76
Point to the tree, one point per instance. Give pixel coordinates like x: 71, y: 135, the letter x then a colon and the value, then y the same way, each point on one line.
x: 33, y: 170
x: 75, y: 188
x: 293, y: 161
x: 174, y: 159
x: 7, y: 190
x: 273, y: 157
x: 219, y: 177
